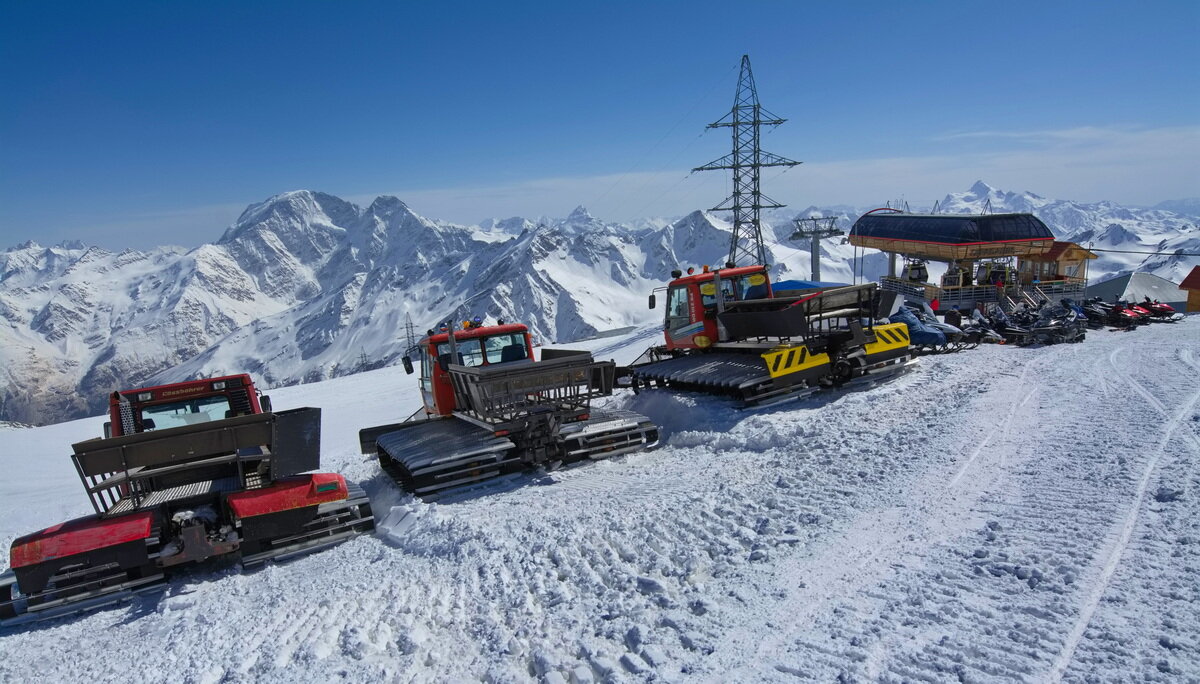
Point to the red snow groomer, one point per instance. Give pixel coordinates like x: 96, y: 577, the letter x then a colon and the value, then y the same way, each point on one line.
x: 184, y: 473
x: 490, y: 408
x: 727, y: 331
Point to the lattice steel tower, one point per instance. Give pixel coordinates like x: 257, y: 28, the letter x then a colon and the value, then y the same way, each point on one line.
x: 746, y: 119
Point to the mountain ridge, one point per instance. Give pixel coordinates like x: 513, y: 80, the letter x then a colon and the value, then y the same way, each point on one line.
x: 307, y: 286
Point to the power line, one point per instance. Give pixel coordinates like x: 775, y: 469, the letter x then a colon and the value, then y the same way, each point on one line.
x: 1129, y: 251
x: 660, y: 141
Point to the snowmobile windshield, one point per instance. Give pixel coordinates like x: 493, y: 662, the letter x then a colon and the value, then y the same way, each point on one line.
x: 186, y: 412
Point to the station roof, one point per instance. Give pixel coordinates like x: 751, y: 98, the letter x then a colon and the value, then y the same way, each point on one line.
x: 953, y: 236
x: 952, y: 229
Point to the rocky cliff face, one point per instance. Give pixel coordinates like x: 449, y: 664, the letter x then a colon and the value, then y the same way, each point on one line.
x: 306, y: 286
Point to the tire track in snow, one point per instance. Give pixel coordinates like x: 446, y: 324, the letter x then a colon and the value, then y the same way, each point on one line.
x: 1002, y: 429
x: 846, y: 568
x: 1115, y: 551
x: 930, y: 621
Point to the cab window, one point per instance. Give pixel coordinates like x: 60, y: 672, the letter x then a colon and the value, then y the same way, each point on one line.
x: 752, y: 286
x: 470, y: 353
x: 708, y: 292
x: 489, y: 350
x: 505, y: 348
x: 187, y: 412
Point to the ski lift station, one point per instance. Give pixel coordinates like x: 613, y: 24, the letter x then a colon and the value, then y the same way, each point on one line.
x: 989, y: 257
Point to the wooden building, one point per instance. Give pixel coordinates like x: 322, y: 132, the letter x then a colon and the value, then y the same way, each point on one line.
x: 1191, y: 285
x: 1064, y: 261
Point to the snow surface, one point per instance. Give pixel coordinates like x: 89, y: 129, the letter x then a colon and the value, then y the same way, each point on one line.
x: 1019, y: 514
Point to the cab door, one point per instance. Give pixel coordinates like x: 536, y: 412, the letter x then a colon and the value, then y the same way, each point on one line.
x: 426, y: 382
x: 684, y: 316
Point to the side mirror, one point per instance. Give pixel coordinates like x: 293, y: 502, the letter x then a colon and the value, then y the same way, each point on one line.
x: 107, y: 429
x: 651, y: 300
x: 408, y: 367
x: 265, y: 402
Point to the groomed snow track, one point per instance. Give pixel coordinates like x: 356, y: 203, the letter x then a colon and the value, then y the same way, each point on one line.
x: 1005, y: 514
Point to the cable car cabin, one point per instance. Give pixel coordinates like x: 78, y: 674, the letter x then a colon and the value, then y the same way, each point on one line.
x: 478, y: 346
x: 692, y: 303
x: 182, y: 403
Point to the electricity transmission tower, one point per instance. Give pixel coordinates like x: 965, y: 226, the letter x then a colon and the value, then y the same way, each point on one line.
x: 747, y: 160
x: 815, y: 229
x: 410, y: 333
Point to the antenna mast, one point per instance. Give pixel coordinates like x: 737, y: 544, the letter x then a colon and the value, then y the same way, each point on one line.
x: 747, y: 159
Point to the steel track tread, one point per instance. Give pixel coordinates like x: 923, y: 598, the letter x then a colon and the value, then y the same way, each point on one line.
x: 439, y: 454
x: 23, y: 609
x: 336, y: 521
x: 607, y: 434
x: 714, y: 372
x: 431, y: 459
x: 742, y: 376
x: 734, y: 375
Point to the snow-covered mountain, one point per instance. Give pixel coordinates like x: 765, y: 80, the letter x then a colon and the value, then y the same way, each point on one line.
x: 1189, y: 206
x: 305, y: 286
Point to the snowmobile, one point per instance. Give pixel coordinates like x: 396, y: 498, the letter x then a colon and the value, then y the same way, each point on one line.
x: 1056, y: 324
x: 1009, y: 330
x: 923, y: 337
x: 952, y: 337
x: 976, y: 330
x: 1137, y: 314
x: 185, y: 472
x: 1142, y: 311
x: 490, y: 409
x: 1164, y: 313
x: 1078, y: 317
x: 1113, y: 314
x: 1097, y: 313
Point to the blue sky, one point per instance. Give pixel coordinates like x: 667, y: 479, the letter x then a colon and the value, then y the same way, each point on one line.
x: 136, y: 124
